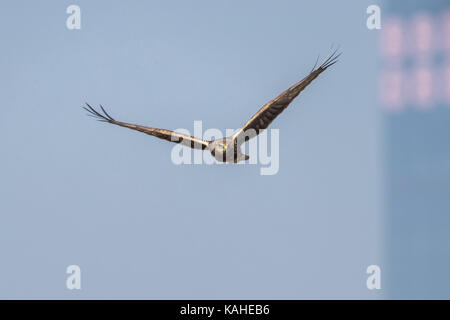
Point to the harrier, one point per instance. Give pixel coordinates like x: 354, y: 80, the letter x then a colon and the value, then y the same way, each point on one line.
x: 229, y: 149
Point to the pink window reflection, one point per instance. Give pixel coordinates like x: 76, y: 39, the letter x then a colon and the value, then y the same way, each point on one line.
x: 391, y: 38
x: 422, y: 87
x: 391, y: 90
x: 422, y: 35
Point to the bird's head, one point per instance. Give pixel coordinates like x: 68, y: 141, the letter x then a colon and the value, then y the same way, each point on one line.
x: 222, y: 145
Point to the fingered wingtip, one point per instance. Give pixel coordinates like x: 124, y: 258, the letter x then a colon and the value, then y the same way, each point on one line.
x: 94, y: 113
x: 332, y: 57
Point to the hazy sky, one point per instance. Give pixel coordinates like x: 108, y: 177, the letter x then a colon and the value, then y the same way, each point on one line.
x: 77, y: 191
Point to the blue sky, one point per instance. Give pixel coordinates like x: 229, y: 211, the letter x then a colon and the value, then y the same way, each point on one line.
x: 76, y: 191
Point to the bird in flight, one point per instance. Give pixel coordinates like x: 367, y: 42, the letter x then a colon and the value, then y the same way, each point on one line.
x: 229, y: 149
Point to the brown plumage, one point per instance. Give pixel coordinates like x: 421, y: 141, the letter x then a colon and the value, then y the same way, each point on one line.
x: 168, y: 135
x: 228, y: 149
x: 264, y: 117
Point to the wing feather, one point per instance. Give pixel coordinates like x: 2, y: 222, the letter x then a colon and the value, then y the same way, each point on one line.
x: 264, y: 117
x: 168, y: 135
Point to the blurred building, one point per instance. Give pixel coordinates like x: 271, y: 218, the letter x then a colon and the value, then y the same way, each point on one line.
x: 414, y: 89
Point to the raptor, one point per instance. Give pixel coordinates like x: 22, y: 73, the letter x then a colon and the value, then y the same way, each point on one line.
x: 229, y: 149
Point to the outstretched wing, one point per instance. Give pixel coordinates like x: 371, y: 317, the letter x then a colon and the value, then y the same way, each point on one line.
x: 168, y: 135
x: 264, y: 117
